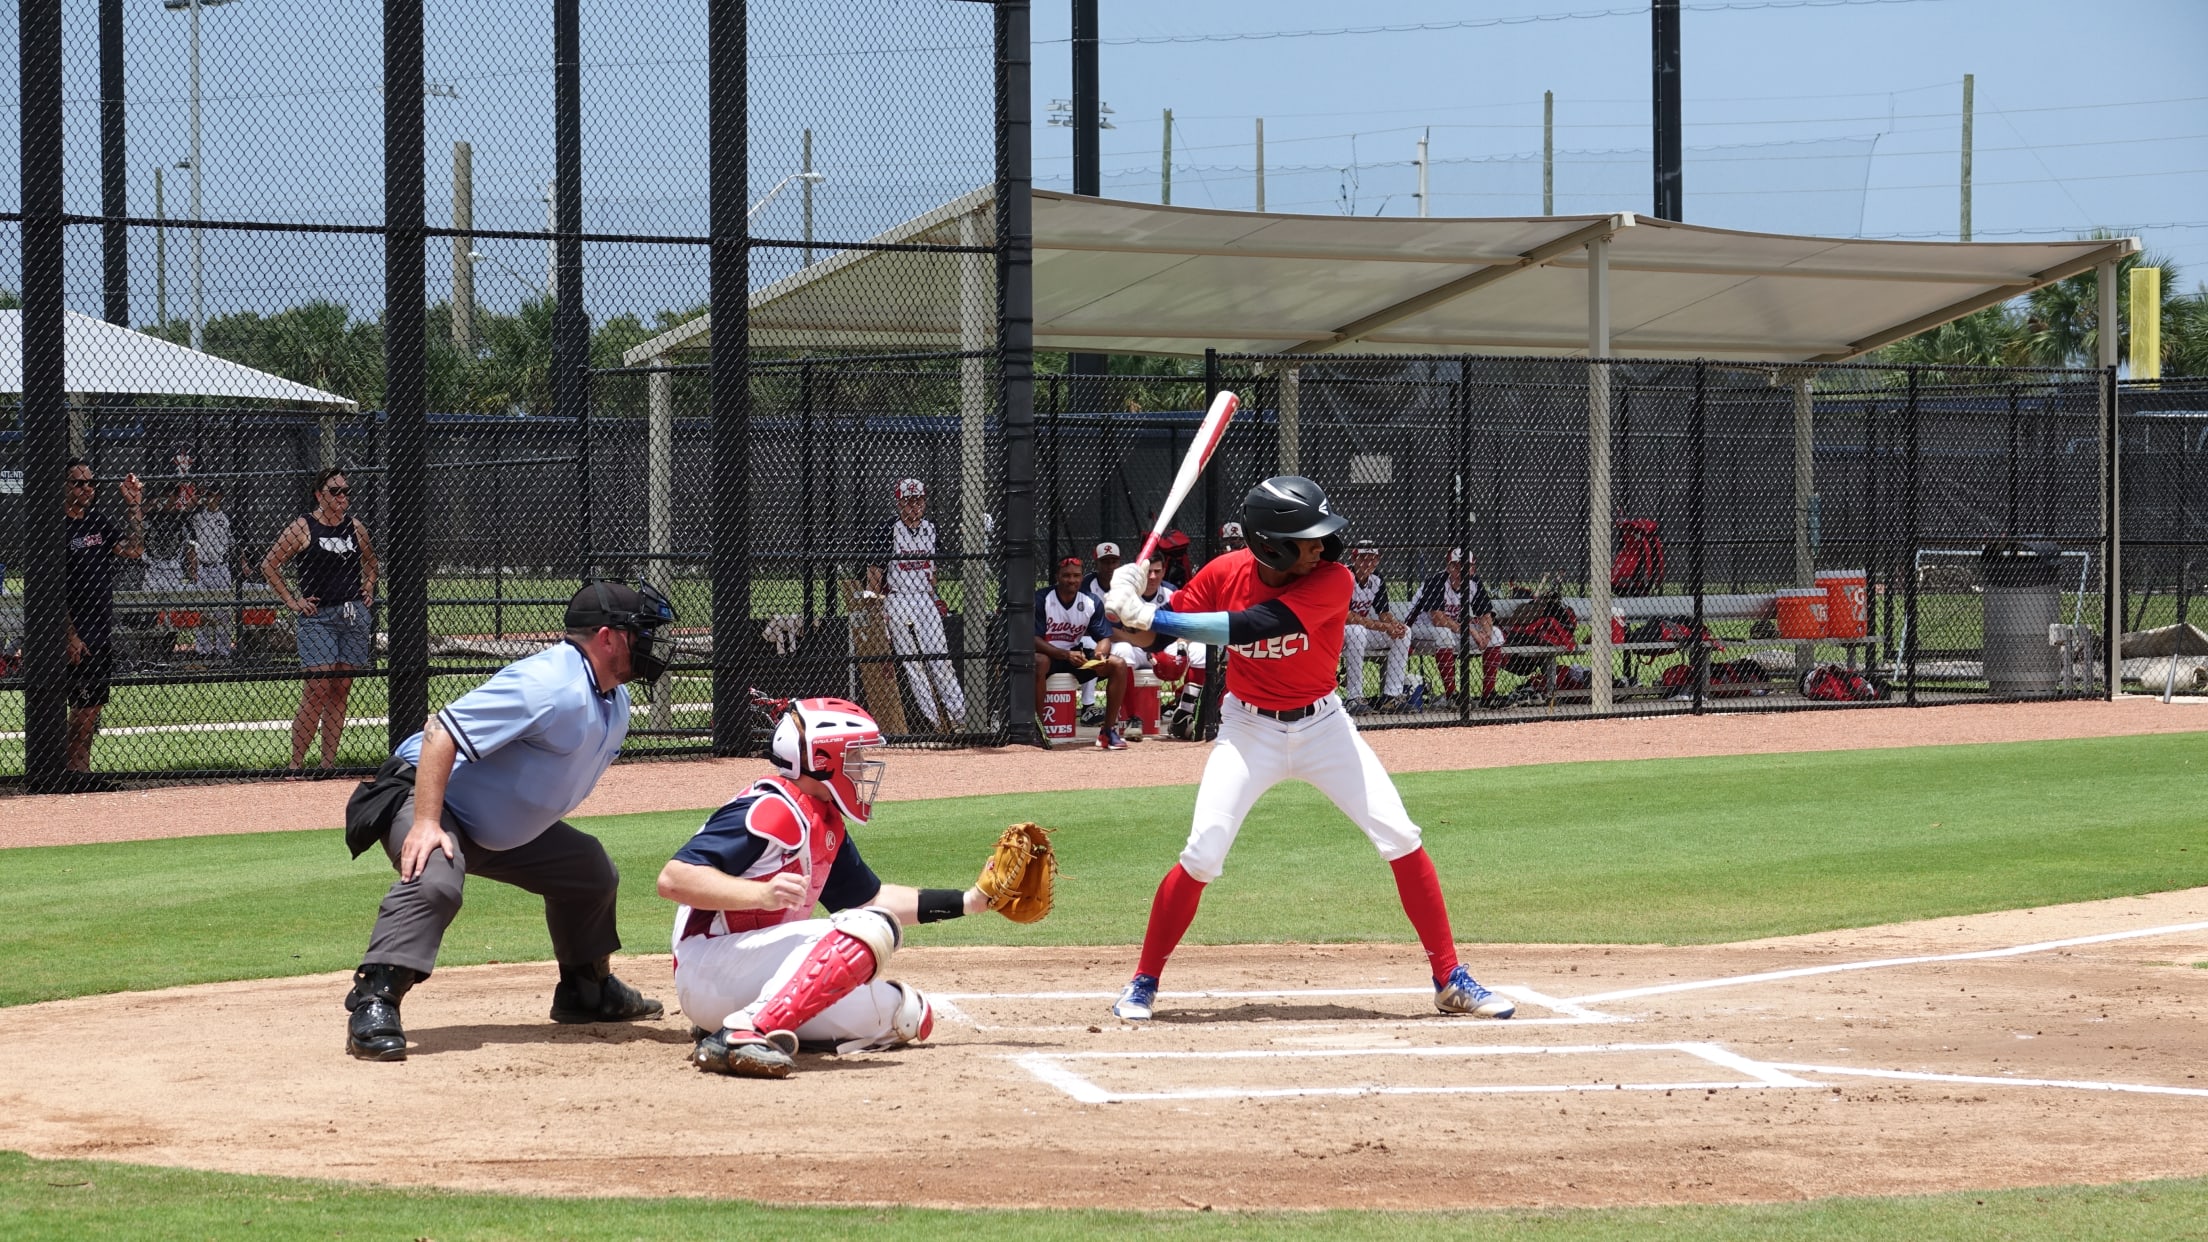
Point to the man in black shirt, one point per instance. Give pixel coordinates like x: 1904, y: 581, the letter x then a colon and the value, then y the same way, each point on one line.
x: 94, y: 544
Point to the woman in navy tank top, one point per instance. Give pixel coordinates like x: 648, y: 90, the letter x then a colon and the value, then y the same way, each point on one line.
x: 335, y: 599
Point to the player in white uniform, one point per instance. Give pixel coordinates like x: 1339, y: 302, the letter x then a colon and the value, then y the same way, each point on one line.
x: 1439, y: 612
x: 907, y: 577
x: 1280, y: 605
x: 1072, y: 637
x: 1372, y: 625
x: 755, y: 971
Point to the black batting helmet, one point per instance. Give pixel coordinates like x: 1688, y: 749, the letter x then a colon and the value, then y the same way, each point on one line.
x: 1286, y: 507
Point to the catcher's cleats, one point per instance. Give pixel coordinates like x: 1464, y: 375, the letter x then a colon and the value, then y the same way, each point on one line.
x: 1020, y: 879
x: 1136, y: 999
x: 747, y: 1054
x: 1461, y: 993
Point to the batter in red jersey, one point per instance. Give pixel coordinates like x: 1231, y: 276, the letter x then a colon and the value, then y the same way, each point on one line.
x: 1279, y: 605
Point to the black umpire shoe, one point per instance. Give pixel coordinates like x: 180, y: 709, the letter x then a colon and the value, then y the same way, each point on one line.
x: 374, y: 1033
x: 592, y: 994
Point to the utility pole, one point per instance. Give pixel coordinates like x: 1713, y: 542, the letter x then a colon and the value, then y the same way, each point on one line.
x: 1165, y: 162
x: 1422, y: 140
x: 160, y: 255
x: 1261, y: 163
x: 808, y: 191
x: 1548, y: 153
x: 463, y: 247
x: 1969, y: 91
x: 1664, y: 29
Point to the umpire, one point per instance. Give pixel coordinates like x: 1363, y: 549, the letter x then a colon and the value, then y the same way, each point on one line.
x: 485, y: 787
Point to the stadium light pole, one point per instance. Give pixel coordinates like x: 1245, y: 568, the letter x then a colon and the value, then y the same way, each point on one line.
x: 199, y: 315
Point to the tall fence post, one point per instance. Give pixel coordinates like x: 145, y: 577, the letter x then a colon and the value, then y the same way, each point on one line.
x: 1212, y: 385
x: 45, y: 411
x: 570, y: 322
x: 114, y: 199
x: 1463, y: 493
x: 406, y: 373
x: 1912, y: 637
x: 728, y: 364
x: 1698, y: 443
x: 2112, y: 514
x: 1016, y: 341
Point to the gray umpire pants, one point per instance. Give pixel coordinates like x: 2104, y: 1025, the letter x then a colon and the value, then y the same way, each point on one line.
x: 564, y: 865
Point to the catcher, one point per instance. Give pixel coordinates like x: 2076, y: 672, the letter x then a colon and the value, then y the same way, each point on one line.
x: 753, y: 969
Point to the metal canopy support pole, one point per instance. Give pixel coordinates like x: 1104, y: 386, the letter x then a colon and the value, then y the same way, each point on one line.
x: 2110, y: 335
x: 659, y: 518
x: 570, y: 324
x: 406, y: 369
x: 44, y: 412
x: 114, y: 201
x: 977, y: 313
x: 728, y: 155
x: 1016, y: 346
x: 1598, y: 473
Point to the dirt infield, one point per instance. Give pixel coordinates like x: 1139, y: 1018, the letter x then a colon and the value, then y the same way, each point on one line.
x: 669, y: 785
x: 2056, y: 1045
x: 1309, y: 1077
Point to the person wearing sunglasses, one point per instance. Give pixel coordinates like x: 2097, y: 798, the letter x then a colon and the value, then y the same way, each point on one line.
x: 485, y: 789
x: 95, y: 549
x: 335, y: 599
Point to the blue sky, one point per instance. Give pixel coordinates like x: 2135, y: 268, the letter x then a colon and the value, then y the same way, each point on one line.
x: 1833, y: 116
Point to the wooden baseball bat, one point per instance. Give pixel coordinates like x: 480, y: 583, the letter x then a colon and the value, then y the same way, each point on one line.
x: 1208, y: 435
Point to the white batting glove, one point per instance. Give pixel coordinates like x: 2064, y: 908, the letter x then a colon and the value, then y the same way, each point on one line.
x: 1124, y: 602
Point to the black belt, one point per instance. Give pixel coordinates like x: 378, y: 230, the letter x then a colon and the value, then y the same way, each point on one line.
x: 1288, y: 715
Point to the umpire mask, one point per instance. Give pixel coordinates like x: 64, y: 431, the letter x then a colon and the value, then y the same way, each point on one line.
x: 639, y: 610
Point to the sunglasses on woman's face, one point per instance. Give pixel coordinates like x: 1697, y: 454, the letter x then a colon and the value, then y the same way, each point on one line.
x: 338, y: 491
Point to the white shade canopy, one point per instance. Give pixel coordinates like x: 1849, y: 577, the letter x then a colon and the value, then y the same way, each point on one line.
x: 99, y: 357
x: 1123, y: 277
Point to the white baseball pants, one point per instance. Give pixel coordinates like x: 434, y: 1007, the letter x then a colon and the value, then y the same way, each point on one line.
x: 716, y: 976
x: 1356, y: 641
x: 1254, y: 753
x: 916, y: 629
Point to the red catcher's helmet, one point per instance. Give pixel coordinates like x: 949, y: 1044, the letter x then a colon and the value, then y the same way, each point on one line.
x: 829, y: 740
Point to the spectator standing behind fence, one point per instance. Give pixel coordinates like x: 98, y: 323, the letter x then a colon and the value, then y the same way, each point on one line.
x: 337, y: 586
x: 88, y: 577
x: 210, y: 529
x: 907, y: 576
x: 1371, y: 625
x: 1442, y: 609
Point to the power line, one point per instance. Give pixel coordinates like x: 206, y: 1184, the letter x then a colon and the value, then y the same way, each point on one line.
x: 1481, y: 23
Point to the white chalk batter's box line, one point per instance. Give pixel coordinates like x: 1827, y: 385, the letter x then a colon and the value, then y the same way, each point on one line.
x: 1568, y: 1013
x: 1055, y: 1069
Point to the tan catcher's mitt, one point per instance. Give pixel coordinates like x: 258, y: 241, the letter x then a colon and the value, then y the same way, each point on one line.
x: 1021, y: 873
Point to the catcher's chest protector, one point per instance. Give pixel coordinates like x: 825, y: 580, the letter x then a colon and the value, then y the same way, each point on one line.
x: 802, y: 837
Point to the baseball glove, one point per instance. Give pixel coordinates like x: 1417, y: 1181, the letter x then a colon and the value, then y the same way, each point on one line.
x: 1021, y: 873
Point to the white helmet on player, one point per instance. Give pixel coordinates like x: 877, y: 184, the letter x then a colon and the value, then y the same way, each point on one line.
x: 828, y: 739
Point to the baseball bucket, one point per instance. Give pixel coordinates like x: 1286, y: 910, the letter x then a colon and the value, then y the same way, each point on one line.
x: 1059, y: 710
x: 1142, y: 701
x: 1801, y: 613
x: 1847, y: 602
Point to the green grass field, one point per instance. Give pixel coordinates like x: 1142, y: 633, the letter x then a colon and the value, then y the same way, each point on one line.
x: 1656, y: 851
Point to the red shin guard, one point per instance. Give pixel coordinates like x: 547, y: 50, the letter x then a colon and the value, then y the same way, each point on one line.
x: 1171, y: 911
x: 835, y: 967
x: 1420, y: 888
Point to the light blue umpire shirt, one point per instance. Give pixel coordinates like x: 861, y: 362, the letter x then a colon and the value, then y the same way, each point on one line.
x: 533, y: 741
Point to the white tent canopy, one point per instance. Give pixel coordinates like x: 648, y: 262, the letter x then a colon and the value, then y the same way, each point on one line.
x: 99, y: 357
x: 1121, y: 277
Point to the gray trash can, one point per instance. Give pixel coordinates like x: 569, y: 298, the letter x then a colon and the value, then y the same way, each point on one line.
x: 2023, y: 598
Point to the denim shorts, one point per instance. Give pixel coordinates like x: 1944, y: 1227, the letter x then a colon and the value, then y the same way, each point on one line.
x: 338, y: 634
